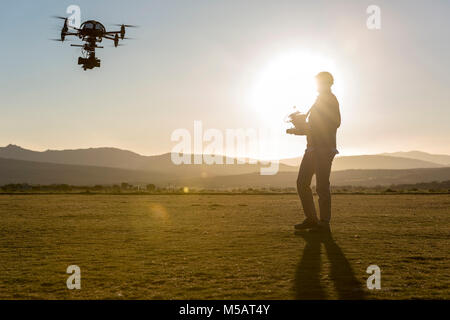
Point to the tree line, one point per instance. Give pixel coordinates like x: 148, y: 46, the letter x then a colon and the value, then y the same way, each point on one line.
x: 125, y: 187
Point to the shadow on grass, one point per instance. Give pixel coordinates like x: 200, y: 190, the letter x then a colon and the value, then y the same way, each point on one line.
x: 307, y: 283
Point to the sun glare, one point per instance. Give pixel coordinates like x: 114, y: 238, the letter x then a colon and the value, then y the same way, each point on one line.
x: 287, y: 81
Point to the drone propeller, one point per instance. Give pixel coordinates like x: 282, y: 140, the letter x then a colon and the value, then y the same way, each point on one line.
x: 127, y: 25
x: 122, y: 29
x: 59, y: 40
x: 66, y: 22
x: 59, y: 17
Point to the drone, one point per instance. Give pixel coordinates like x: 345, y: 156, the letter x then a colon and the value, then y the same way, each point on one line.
x: 91, y: 32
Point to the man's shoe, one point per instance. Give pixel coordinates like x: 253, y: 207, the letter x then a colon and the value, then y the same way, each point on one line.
x: 307, y: 224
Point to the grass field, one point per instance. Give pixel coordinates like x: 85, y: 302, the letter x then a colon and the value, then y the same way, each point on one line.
x: 221, y: 247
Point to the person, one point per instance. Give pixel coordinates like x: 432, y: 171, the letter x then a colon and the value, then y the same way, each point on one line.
x: 323, y: 121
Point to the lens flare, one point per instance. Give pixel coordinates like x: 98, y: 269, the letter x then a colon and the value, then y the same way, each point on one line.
x: 158, y: 211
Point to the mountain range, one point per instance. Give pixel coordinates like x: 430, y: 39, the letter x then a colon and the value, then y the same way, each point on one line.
x: 112, y: 165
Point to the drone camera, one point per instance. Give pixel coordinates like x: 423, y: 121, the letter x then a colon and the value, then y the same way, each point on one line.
x: 89, y: 63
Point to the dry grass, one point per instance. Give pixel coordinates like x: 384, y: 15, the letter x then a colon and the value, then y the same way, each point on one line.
x: 221, y: 247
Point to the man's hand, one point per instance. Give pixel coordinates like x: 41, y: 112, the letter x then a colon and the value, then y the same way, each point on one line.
x: 296, y: 132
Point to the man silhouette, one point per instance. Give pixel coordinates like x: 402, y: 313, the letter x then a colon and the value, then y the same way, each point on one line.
x: 323, y: 121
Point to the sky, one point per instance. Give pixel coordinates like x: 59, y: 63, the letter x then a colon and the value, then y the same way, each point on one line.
x: 231, y: 65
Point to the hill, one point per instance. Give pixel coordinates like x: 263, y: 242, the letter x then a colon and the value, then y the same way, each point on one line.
x: 442, y: 159
x: 371, y: 162
x: 123, y: 159
x: 19, y: 171
x: 367, y: 178
x: 379, y: 162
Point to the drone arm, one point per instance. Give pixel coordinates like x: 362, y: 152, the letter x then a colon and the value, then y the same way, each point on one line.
x: 84, y: 46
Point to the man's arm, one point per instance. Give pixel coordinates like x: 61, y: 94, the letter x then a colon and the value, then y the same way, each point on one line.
x: 337, y: 115
x: 298, y: 132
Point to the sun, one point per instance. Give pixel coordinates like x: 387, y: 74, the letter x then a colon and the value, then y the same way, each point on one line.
x: 287, y: 81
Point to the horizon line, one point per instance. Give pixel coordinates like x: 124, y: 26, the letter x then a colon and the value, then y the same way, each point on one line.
x: 341, y: 154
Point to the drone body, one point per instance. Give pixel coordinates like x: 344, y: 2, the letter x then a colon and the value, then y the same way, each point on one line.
x: 91, y: 32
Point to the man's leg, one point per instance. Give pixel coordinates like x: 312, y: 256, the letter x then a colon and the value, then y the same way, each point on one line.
x: 305, y: 175
x: 323, y: 164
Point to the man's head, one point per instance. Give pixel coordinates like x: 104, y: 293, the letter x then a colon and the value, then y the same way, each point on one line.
x: 324, y: 81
